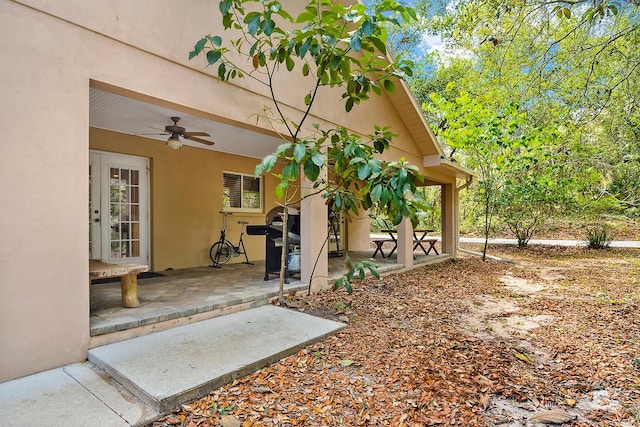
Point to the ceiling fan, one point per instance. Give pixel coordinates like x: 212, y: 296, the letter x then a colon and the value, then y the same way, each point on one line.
x: 175, y: 132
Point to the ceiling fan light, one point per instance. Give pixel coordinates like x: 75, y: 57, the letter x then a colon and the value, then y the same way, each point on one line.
x: 174, y: 142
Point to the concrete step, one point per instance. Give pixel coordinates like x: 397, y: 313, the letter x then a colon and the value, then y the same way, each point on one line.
x: 175, y: 366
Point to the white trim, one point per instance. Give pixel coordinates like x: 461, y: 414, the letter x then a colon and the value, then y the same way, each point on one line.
x: 107, y: 159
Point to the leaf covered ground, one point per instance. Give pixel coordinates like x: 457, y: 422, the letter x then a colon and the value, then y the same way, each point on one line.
x: 553, y: 337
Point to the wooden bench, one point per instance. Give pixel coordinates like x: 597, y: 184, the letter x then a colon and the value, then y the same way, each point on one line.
x: 379, y: 243
x: 432, y: 245
x: 128, y: 274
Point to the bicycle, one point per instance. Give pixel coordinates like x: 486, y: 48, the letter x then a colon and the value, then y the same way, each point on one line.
x: 222, y: 250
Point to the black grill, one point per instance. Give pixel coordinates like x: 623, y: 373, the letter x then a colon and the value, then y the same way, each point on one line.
x: 272, y: 230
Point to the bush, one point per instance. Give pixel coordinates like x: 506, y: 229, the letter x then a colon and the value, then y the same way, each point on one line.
x: 599, y: 237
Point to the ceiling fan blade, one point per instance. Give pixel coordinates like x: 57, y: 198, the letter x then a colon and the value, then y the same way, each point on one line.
x: 145, y: 134
x: 201, y: 141
x: 190, y: 134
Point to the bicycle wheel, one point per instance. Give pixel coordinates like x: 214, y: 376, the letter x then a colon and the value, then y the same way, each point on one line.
x: 220, y: 253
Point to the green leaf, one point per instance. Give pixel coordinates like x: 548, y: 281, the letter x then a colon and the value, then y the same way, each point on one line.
x: 389, y: 86
x: 197, y: 48
x: 279, y: 191
x: 305, y: 70
x: 253, y: 22
x: 215, y: 40
x: 334, y: 64
x: 363, y: 171
x: 225, y: 5
x: 374, y: 271
x: 268, y: 26
x: 379, y: 44
x: 222, y: 70
x: 266, y: 164
x: 307, y: 99
x: 304, y: 47
x: 348, y: 287
x: 329, y: 39
x: 376, y: 192
x: 349, y: 104
x: 287, y: 172
x: 227, y: 21
x: 282, y: 148
x: 367, y: 27
x: 290, y: 63
x: 213, y: 56
x: 317, y: 159
x: 356, y: 41
x: 306, y: 16
x: 311, y: 170
x: 345, y: 362
x: 299, y: 151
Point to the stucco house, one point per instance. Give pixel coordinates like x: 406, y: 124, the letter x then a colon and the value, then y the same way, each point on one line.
x: 85, y: 87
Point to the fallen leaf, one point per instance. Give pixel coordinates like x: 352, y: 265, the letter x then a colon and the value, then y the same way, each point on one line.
x: 484, y: 401
x: 555, y: 416
x: 523, y: 357
x: 262, y: 390
x: 345, y: 362
x: 230, y: 421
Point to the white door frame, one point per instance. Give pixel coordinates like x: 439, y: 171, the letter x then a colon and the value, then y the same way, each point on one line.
x: 130, y: 215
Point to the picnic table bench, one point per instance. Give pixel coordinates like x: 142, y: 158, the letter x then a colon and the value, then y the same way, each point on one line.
x: 379, y: 243
x: 128, y: 274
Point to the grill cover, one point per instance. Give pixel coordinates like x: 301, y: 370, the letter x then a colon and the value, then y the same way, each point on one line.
x: 272, y: 230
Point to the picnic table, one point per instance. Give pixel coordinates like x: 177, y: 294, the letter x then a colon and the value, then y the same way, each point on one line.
x: 128, y: 274
x: 420, y: 236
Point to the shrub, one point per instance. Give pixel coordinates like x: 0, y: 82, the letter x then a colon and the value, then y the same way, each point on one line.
x: 599, y: 237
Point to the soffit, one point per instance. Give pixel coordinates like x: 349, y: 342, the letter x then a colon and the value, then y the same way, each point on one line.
x: 119, y: 113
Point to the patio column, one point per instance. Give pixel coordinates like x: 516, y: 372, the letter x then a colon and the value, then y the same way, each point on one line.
x: 405, y: 242
x: 359, y: 233
x: 314, y: 219
x: 449, y: 202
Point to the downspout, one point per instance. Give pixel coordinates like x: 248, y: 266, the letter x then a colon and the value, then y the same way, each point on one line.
x: 467, y: 183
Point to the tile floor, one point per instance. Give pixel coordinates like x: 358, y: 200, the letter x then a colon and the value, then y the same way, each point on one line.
x: 183, y: 293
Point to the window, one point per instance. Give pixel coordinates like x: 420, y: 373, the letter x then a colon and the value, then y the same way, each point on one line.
x: 242, y: 192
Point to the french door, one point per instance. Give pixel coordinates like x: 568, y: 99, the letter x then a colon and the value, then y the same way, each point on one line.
x: 118, y: 208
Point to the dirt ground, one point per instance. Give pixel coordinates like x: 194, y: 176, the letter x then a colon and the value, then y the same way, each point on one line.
x: 551, y: 338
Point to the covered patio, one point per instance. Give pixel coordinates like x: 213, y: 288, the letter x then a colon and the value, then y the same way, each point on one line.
x: 189, y: 295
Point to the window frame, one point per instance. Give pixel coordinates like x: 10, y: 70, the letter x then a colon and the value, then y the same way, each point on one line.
x: 242, y: 175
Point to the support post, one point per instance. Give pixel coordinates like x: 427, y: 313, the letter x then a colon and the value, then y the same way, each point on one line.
x: 314, y: 221
x: 405, y: 243
x: 449, y: 203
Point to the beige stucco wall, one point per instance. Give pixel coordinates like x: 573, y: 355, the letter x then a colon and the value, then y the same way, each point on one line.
x: 52, y: 50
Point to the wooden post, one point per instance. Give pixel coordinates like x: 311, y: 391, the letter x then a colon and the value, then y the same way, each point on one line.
x: 129, y: 284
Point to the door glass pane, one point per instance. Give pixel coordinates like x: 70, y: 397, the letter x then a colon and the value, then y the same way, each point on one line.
x: 125, y: 213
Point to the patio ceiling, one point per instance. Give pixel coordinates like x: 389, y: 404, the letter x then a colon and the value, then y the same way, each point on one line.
x: 130, y: 116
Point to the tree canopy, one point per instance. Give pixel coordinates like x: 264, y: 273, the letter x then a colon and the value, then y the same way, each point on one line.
x: 567, y: 72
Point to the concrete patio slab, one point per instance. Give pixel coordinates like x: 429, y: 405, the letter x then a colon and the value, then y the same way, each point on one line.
x: 54, y: 398
x: 175, y: 366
